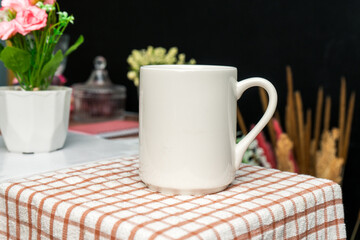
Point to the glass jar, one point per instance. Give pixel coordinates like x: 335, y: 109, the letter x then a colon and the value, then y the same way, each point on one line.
x: 98, y: 99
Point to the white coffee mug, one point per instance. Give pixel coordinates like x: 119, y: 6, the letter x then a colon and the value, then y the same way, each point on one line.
x: 188, y: 126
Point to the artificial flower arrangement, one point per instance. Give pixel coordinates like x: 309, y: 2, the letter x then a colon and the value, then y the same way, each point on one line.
x: 320, y: 151
x: 153, y: 56
x: 32, y: 29
x: 254, y: 155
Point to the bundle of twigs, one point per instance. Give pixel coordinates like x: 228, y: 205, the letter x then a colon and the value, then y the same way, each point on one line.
x: 318, y: 150
x: 308, y: 150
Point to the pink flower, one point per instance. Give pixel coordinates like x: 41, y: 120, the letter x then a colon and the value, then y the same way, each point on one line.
x: 15, y: 81
x: 7, y: 29
x: 266, y: 147
x: 16, y: 5
x: 3, y: 14
x: 49, y: 2
x: 30, y: 19
x: 33, y: 2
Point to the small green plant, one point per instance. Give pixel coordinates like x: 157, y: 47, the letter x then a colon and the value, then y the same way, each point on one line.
x: 153, y: 56
x: 32, y: 29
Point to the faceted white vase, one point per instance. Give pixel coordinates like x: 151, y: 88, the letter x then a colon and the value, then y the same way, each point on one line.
x: 34, y: 121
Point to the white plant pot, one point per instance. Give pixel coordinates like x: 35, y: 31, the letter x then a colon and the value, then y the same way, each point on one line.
x: 34, y: 121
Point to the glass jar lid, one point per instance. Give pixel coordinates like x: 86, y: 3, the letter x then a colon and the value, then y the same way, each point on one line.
x: 99, y: 81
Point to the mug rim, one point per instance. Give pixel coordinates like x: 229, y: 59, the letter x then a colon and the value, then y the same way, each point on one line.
x: 188, y: 67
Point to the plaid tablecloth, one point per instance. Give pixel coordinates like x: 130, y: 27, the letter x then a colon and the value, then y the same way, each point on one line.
x: 107, y: 200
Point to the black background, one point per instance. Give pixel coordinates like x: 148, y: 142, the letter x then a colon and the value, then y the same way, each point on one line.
x: 320, y: 40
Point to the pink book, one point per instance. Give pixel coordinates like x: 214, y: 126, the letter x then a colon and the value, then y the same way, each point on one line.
x: 115, y: 128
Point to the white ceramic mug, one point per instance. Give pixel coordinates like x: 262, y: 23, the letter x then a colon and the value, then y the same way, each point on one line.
x: 188, y: 126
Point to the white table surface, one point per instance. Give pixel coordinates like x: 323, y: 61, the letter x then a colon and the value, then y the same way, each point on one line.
x: 78, y: 149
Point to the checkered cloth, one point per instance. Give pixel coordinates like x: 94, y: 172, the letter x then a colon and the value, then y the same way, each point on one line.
x: 107, y: 200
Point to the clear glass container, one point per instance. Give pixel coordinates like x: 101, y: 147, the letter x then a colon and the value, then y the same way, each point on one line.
x: 98, y: 99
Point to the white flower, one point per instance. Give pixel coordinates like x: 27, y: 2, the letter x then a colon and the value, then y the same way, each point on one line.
x: 181, y: 59
x: 152, y: 55
x: 253, y: 144
x: 136, y: 55
x: 192, y: 61
x: 136, y: 81
x: 159, y: 52
x: 4, y: 16
x: 149, y: 50
x: 131, y: 75
x: 172, y: 52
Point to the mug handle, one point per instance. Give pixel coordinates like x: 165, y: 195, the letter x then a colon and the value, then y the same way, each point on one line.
x: 271, y: 91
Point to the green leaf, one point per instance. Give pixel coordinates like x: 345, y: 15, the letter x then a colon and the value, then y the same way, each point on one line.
x: 1, y: 48
x: 50, y: 67
x: 16, y: 59
x: 78, y: 42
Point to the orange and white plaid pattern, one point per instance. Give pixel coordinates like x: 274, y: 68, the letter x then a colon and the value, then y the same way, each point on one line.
x: 107, y: 200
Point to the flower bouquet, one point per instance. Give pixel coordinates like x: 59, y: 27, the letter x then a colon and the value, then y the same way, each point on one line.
x: 35, y: 116
x: 33, y: 28
x: 153, y: 56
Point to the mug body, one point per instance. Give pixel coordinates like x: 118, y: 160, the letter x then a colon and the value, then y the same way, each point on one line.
x: 187, y: 128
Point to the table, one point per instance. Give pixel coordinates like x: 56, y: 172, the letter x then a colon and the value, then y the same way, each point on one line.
x: 78, y: 149
x: 107, y: 200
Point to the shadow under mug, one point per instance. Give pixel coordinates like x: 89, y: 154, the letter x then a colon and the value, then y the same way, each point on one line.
x: 187, y: 132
